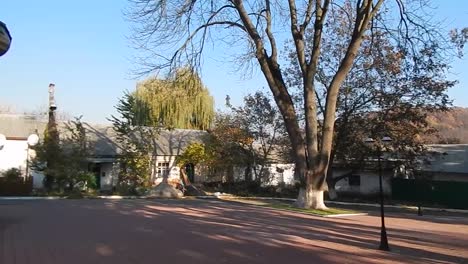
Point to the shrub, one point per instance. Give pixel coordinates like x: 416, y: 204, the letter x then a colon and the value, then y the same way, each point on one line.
x: 88, y: 179
x: 253, y: 188
x: 125, y: 189
x: 74, y: 194
x: 12, y: 174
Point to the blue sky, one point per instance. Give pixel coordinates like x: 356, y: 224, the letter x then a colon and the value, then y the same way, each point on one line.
x: 81, y: 46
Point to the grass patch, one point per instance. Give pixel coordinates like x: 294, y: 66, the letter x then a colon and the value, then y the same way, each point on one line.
x: 285, y: 205
x: 329, y: 211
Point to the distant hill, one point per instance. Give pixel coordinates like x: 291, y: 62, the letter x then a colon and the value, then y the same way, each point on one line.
x: 452, y: 126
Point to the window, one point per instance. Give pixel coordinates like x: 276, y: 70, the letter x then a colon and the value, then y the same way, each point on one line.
x: 163, y: 169
x: 354, y: 180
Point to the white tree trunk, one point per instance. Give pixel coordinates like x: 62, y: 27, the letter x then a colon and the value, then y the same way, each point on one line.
x: 310, y: 199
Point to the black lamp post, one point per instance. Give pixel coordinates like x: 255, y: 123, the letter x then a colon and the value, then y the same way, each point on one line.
x: 383, y: 231
x: 5, y: 38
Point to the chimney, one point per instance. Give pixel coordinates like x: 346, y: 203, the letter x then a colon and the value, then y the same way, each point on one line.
x: 52, y: 105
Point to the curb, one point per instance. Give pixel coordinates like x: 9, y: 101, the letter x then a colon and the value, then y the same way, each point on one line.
x: 344, y: 203
x: 207, y: 197
x: 116, y: 197
x: 119, y: 197
x: 104, y: 197
x: 344, y: 215
x: 403, y: 207
x: 25, y: 198
x: 32, y: 198
x: 240, y: 197
x: 236, y: 200
x: 293, y: 211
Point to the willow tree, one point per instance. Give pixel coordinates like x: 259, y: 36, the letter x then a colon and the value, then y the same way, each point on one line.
x: 180, y: 101
x: 176, y: 33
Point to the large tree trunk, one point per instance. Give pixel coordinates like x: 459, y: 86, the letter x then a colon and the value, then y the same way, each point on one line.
x: 311, y: 161
x: 332, y: 195
x: 331, y: 183
x: 311, y: 197
x: 184, y: 177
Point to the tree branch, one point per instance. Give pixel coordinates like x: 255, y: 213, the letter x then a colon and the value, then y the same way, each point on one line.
x: 269, y: 33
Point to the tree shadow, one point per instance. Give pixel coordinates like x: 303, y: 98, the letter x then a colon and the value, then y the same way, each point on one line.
x: 195, y: 231
x: 281, y: 229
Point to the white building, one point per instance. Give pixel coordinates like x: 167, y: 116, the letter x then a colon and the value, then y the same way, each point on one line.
x: 105, y: 149
x: 15, y: 152
x: 168, y: 145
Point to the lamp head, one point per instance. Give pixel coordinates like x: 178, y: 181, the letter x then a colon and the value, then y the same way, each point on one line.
x: 386, y: 139
x: 5, y: 39
x: 33, y: 139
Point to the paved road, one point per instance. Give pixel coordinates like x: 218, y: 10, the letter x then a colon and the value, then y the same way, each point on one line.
x: 197, y: 231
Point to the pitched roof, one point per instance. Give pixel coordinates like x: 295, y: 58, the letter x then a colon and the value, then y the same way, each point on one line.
x: 168, y: 142
x: 103, y: 138
x: 20, y: 126
x: 447, y: 158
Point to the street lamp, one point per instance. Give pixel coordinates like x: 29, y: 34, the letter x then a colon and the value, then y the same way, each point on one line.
x: 383, y: 230
x: 33, y: 139
x: 5, y: 38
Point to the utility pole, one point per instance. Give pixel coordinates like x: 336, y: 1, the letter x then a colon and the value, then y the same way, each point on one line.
x: 52, y: 137
x: 52, y: 124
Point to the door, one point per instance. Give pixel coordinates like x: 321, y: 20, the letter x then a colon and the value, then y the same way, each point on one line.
x: 95, y: 168
x: 190, y: 170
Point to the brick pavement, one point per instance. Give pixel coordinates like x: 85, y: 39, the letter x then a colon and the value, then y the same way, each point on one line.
x: 195, y: 231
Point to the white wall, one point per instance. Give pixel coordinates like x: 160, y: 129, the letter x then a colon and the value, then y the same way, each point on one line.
x: 174, y: 170
x: 13, y: 155
x: 369, y: 183
x: 38, y: 180
x: 275, y: 177
x: 108, y: 176
x: 369, y: 180
x: 110, y: 170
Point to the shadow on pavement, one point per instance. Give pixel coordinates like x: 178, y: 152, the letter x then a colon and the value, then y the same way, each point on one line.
x: 194, y: 231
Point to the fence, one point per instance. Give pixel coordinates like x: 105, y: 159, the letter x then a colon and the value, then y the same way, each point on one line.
x: 16, y: 187
x: 444, y: 193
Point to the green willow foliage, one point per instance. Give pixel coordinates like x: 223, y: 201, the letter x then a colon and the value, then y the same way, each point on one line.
x: 180, y: 101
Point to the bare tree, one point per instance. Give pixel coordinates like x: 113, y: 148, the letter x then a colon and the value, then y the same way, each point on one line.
x: 174, y: 33
x: 384, y: 94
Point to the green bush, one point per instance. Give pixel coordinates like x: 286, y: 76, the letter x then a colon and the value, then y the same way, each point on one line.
x: 75, y: 194
x: 12, y: 174
x: 89, y: 180
x: 253, y: 188
x: 142, y: 190
x: 125, y: 189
